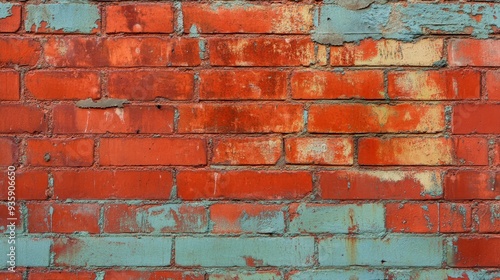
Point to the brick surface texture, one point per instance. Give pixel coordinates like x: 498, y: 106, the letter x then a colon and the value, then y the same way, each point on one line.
x: 250, y: 140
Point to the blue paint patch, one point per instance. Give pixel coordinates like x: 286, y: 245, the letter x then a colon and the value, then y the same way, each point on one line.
x: 29, y: 251
x: 66, y: 17
x: 338, y: 274
x: 443, y: 274
x: 5, y: 10
x: 266, y: 222
x: 338, y: 24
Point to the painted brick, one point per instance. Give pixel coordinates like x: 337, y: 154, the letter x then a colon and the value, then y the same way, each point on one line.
x: 112, y: 251
x: 252, y: 252
x: 379, y: 184
x: 260, y: 52
x: 492, y: 85
x: 247, y: 218
x: 151, y: 275
x: 9, y: 151
x: 140, y: 18
x: 30, y: 251
x: 130, y: 119
x: 434, y: 85
x: 6, y: 213
x: 161, y: 218
x: 338, y: 274
x: 60, y: 152
x: 63, y: 218
x: 324, y: 218
x: 468, y: 52
x: 368, y: 84
x: 361, y: 118
x: 9, y: 84
x: 62, y: 85
x: 151, y: 151
x: 424, y: 52
x: 255, y: 275
x: 61, y: 275
x: 474, y: 252
x: 253, y: 185
x: 62, y: 17
x: 466, y: 184
x: 455, y: 217
x: 120, y: 52
x: 148, y: 85
x: 496, y: 159
x: 412, y: 217
x: 488, y: 217
x: 10, y: 17
x: 243, y: 85
x: 19, y: 51
x: 112, y: 184
x: 443, y: 274
x: 30, y: 185
x: 471, y: 150
x: 322, y: 151
x: 234, y: 118
x: 476, y: 118
x: 221, y: 18
x: 391, y: 251
x: 247, y: 151
x: 22, y: 118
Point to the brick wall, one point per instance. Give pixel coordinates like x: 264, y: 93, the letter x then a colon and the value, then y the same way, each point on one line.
x: 251, y: 140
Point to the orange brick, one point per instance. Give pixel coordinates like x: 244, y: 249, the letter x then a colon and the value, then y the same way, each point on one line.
x: 140, y: 18
x: 8, y: 150
x: 62, y: 85
x: 9, y: 85
x: 22, y: 118
x: 12, y: 22
x: 492, y: 86
x: 466, y: 185
x: 247, y: 151
x: 488, y: 217
x: 63, y: 218
x: 30, y: 185
x: 60, y: 152
x: 470, y: 52
x: 327, y: 151
x: 61, y: 275
x: 455, y: 217
x: 476, y: 118
x: 412, y: 217
x: 19, y: 51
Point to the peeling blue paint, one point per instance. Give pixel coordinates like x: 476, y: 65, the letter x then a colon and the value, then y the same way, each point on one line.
x: 338, y: 274
x: 443, y: 274
x: 66, y: 17
x: 29, y: 251
x: 5, y: 10
x: 167, y: 217
x: 338, y: 24
x: 266, y: 222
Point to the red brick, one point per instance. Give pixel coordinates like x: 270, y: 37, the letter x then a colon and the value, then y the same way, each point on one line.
x: 152, y: 151
x: 230, y: 218
x: 365, y: 118
x: 488, y: 217
x: 6, y: 213
x: 254, y: 185
x: 22, y: 118
x: 60, y: 152
x: 405, y: 151
x: 12, y: 22
x: 61, y: 275
x: 260, y: 52
x: 63, y: 85
x: 164, y: 218
x: 326, y: 151
x: 243, y: 84
x: 247, y: 151
x: 112, y: 184
x: 476, y: 118
x: 379, y: 184
x: 369, y: 52
x: 148, y: 85
x: 151, y: 275
x: 496, y: 160
x: 217, y: 18
x: 471, y: 150
x: 455, y: 217
x: 492, y: 85
x: 30, y: 185
x: 476, y: 252
x: 121, y: 52
x: 8, y: 275
x: 412, y: 217
x: 434, y: 85
x: 240, y: 118
x: 130, y: 119
x: 140, y: 18
x: 338, y: 85
x: 8, y: 150
x: 63, y: 218
x: 9, y: 84
x: 19, y: 51
x: 469, y: 52
x: 466, y: 184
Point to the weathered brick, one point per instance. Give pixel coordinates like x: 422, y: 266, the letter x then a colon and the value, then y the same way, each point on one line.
x: 9, y: 151
x: 253, y: 252
x: 254, y: 185
x: 247, y: 218
x: 19, y: 51
x: 63, y: 218
x: 323, y: 151
x: 61, y: 275
x: 152, y: 218
x: 151, y: 151
x: 338, y: 274
x: 30, y: 251
x: 324, y: 218
x: 62, y: 85
x: 376, y: 118
x: 112, y: 251
x: 62, y: 18
x: 367, y: 84
x: 140, y: 18
x: 474, y: 251
x: 412, y: 217
x: 9, y: 84
x: 247, y: 151
x: 60, y: 152
x: 492, y: 85
x: 466, y: 184
x: 10, y: 17
x: 22, y: 118
x: 470, y: 52
x: 30, y: 185
x: 151, y: 275
x: 455, y: 217
x: 488, y: 217
x: 443, y: 274
x: 254, y: 275
x: 496, y: 159
x: 476, y: 118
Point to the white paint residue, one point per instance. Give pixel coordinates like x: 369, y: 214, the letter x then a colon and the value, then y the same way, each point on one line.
x: 119, y: 113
